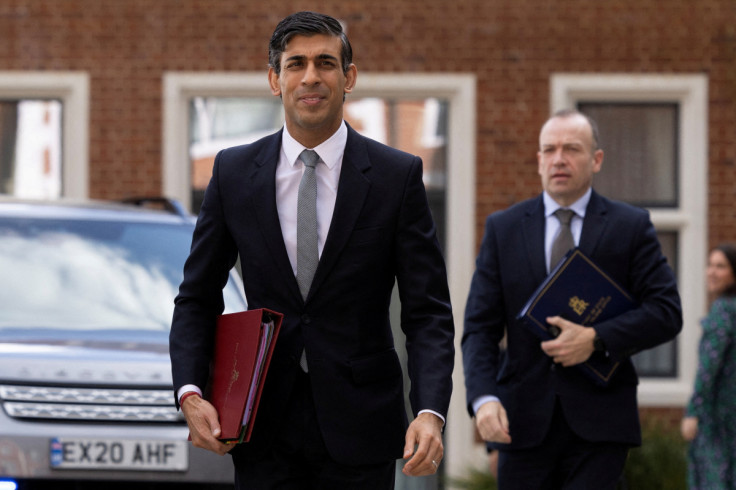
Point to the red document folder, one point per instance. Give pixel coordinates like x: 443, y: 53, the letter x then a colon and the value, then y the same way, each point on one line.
x: 244, y: 343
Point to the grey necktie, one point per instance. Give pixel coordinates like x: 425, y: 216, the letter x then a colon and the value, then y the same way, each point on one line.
x: 564, y: 240
x: 307, y: 251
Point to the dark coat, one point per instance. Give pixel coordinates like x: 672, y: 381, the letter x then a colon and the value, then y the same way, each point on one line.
x: 381, y: 232
x: 511, y: 264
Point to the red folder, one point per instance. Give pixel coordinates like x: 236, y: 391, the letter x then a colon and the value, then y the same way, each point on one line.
x: 244, y: 343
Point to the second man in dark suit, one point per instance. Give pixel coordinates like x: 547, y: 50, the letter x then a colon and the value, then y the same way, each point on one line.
x: 332, y: 412
x: 554, y: 428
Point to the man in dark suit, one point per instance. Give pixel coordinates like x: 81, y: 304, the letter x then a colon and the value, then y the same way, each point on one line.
x: 332, y: 411
x: 553, y: 426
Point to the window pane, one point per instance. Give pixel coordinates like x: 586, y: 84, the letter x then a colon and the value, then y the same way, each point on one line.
x: 220, y: 122
x: 662, y: 360
x: 416, y: 126
x: 30, y: 148
x: 640, y: 145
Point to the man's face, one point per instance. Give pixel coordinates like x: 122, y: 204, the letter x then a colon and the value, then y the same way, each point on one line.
x: 566, y: 158
x: 312, y: 85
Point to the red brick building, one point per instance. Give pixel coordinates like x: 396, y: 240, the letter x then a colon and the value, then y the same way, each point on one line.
x: 134, y: 76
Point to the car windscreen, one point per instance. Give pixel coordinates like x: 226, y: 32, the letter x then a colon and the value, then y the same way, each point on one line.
x: 92, y: 275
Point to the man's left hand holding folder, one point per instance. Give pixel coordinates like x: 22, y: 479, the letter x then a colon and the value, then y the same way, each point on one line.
x: 204, y: 424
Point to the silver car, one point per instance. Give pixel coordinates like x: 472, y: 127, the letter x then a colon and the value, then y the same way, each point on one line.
x: 86, y: 298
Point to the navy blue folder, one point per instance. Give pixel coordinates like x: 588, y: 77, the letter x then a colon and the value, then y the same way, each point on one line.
x: 579, y: 291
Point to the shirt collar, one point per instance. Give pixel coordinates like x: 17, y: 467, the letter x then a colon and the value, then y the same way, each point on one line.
x: 330, y: 151
x: 579, y: 206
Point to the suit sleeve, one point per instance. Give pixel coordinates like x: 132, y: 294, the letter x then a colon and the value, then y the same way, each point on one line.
x: 658, y: 318
x: 212, y: 255
x: 484, y: 322
x: 426, y: 314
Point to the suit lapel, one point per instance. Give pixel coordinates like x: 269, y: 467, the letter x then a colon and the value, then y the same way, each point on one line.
x: 533, y: 225
x: 263, y: 201
x: 352, y: 190
x: 594, y: 224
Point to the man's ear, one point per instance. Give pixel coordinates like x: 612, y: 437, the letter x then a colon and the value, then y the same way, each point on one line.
x: 597, y: 160
x: 274, y: 82
x: 351, y: 76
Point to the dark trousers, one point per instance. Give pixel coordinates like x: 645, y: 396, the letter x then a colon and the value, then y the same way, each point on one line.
x: 298, y: 458
x: 562, y: 461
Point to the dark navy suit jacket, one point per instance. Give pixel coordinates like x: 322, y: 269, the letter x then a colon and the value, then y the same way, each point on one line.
x: 381, y: 232
x: 511, y: 264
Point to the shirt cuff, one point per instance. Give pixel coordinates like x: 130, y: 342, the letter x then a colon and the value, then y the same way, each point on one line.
x: 437, y: 414
x: 185, y: 389
x: 481, y: 400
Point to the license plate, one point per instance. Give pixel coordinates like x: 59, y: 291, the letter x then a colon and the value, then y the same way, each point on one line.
x: 123, y: 454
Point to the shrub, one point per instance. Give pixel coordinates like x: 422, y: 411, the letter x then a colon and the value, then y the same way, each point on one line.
x: 660, y: 463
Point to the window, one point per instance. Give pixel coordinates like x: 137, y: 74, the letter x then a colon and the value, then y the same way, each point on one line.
x: 654, y: 135
x: 416, y: 126
x: 641, y: 161
x: 30, y: 148
x: 44, y: 134
x: 221, y: 122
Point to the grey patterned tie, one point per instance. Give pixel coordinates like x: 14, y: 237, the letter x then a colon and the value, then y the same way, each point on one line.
x: 307, y: 250
x: 564, y: 240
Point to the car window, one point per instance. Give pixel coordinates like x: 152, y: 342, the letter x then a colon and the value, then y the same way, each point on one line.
x: 92, y: 275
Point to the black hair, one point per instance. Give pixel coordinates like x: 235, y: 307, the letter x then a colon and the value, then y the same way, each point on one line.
x: 306, y: 24
x: 729, y: 250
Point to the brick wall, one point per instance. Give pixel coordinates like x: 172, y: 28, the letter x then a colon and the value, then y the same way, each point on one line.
x: 668, y: 417
x: 511, y: 45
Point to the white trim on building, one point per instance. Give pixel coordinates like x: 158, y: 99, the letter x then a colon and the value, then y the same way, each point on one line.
x: 72, y: 88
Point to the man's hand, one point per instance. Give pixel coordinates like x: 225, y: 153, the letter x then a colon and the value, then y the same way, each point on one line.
x: 204, y: 424
x: 424, y: 442
x: 492, y: 423
x: 573, y: 346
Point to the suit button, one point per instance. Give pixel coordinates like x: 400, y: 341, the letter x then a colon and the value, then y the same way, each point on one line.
x: 306, y: 319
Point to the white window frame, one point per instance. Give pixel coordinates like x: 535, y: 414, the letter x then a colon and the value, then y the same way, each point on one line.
x: 459, y: 90
x: 689, y: 219
x: 72, y: 88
